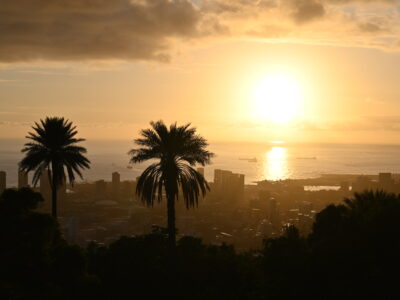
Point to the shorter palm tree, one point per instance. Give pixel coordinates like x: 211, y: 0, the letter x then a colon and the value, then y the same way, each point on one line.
x: 53, y: 148
x: 177, y: 149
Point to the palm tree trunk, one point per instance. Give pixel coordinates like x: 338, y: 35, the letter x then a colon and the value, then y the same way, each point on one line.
x: 54, y: 193
x: 54, y: 201
x: 171, y: 220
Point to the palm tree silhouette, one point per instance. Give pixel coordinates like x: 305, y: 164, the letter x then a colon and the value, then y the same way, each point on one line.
x: 53, y: 149
x: 178, y: 149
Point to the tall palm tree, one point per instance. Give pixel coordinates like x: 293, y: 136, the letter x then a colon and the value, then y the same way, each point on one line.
x: 52, y: 149
x: 178, y: 149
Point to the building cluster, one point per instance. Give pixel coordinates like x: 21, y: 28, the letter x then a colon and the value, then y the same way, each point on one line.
x: 231, y: 212
x: 384, y: 181
x: 228, y: 186
x: 22, y: 180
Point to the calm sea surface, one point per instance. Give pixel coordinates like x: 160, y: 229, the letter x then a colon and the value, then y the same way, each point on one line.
x: 267, y: 161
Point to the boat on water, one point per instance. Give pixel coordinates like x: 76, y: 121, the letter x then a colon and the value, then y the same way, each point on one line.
x: 249, y: 159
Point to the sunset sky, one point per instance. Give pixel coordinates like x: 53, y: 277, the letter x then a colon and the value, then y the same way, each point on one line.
x: 238, y: 70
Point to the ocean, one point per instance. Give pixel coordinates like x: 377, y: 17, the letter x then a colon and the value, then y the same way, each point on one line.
x: 272, y: 161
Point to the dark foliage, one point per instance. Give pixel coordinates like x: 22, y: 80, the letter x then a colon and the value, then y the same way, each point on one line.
x: 352, y: 253
x: 36, y: 263
x: 286, y: 260
x: 142, y: 265
x: 356, y: 247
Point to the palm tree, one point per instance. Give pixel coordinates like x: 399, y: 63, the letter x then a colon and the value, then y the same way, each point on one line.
x: 178, y: 149
x: 52, y: 149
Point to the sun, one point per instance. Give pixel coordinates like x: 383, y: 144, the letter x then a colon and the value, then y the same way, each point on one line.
x: 277, y: 98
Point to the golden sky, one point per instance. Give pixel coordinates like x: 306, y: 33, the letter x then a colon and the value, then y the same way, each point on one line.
x: 111, y: 66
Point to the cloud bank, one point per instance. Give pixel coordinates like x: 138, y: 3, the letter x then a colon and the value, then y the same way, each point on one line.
x: 83, y: 30
x: 93, y: 29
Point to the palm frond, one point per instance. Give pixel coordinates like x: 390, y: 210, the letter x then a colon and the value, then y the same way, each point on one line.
x: 178, y: 149
x: 53, y: 146
x: 193, y: 184
x: 150, y: 185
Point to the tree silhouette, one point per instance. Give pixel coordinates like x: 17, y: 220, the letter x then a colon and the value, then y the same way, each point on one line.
x: 53, y: 147
x: 36, y: 262
x: 178, y: 149
x: 355, y: 247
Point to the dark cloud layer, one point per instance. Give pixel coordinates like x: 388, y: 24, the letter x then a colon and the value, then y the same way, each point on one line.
x: 143, y: 29
x: 92, y: 29
x: 307, y: 10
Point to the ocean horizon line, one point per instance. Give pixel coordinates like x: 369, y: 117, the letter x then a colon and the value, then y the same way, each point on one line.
x: 211, y: 142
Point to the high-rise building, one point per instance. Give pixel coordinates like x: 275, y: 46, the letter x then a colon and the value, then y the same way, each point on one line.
x: 228, y: 185
x: 386, y: 182
x: 22, y: 179
x: 115, y: 184
x: 3, y: 182
x: 273, y: 213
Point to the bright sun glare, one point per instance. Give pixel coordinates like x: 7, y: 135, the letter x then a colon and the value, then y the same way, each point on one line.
x: 277, y: 98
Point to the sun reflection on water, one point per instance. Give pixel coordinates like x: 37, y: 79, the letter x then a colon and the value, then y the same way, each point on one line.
x: 276, y: 164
